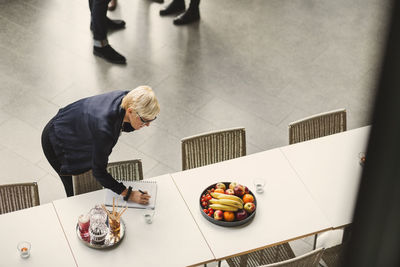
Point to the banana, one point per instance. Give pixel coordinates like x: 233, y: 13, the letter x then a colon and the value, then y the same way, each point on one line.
x: 228, y: 202
x: 226, y: 196
x: 222, y: 207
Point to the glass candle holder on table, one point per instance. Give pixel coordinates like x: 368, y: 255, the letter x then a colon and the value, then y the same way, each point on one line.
x: 148, y: 216
x: 361, y: 157
x: 24, y: 249
x: 98, y: 233
x: 259, y: 185
x: 84, y: 223
x: 98, y: 215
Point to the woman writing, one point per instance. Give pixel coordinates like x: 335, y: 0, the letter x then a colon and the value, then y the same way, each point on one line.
x: 82, y: 135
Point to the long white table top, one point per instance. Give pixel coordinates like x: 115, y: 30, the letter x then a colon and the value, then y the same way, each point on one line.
x: 329, y: 168
x: 173, y: 239
x: 285, y: 210
x: 40, y: 227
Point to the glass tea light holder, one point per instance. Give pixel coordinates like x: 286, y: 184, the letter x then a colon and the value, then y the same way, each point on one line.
x: 98, y: 215
x: 148, y: 216
x: 98, y: 233
x: 361, y: 157
x: 84, y: 223
x: 24, y: 249
x: 259, y: 185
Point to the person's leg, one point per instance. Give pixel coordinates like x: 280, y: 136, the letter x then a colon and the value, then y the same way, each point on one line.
x: 192, y: 14
x: 176, y: 6
x: 53, y: 160
x: 99, y: 25
x: 98, y: 10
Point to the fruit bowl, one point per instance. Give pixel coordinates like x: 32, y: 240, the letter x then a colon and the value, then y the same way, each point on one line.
x: 229, y: 208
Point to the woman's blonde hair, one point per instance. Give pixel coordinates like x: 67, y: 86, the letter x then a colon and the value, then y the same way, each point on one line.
x: 143, y: 100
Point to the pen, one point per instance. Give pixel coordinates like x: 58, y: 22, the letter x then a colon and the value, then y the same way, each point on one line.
x: 141, y: 191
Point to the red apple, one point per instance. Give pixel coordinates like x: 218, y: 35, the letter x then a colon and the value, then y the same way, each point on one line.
x: 239, y: 190
x: 246, y: 190
x: 241, y: 215
x: 232, y: 185
x: 220, y: 185
x: 249, y: 207
x: 218, y: 215
x: 229, y: 191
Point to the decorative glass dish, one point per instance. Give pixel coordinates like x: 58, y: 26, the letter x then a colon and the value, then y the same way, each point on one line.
x: 112, y: 238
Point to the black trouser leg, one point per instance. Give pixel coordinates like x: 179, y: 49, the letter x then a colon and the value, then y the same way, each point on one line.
x: 54, y: 162
x: 194, y: 4
x: 98, y: 10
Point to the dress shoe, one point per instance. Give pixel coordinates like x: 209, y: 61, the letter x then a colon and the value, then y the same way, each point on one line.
x: 191, y: 15
x: 112, y: 5
x: 173, y: 8
x: 109, y: 54
x: 112, y: 24
x: 115, y: 24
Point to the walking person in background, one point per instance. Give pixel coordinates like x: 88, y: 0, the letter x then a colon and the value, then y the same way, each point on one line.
x: 82, y: 135
x: 99, y: 24
x: 192, y: 14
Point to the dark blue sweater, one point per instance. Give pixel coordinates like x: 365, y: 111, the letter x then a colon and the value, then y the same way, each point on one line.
x: 84, y: 133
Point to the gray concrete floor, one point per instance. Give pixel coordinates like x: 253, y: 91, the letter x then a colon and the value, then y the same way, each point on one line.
x: 257, y: 63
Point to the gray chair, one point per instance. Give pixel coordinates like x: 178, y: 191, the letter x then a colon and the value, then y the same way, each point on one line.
x: 333, y: 256
x: 310, y: 259
x: 319, y: 125
x: 130, y: 170
x: 15, y: 197
x: 213, y: 147
x: 265, y: 256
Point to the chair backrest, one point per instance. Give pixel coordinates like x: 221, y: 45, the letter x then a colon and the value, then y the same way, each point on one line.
x: 267, y: 255
x: 18, y: 196
x: 333, y: 256
x: 310, y: 259
x: 130, y: 170
x: 319, y: 125
x: 213, y: 147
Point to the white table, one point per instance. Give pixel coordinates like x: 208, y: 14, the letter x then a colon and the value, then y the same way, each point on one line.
x: 285, y: 211
x: 329, y: 168
x: 39, y: 226
x: 173, y: 239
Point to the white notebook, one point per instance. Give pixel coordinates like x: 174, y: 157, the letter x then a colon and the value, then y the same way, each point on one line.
x: 144, y: 185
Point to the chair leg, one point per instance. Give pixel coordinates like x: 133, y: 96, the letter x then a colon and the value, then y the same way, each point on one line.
x: 219, y: 263
x: 315, y: 241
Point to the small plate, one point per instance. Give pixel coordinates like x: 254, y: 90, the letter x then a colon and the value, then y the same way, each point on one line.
x: 110, y: 240
x: 225, y: 223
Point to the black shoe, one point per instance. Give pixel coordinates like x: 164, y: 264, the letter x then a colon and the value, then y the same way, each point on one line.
x: 112, y: 24
x: 115, y: 24
x: 173, y: 8
x: 109, y: 54
x: 191, y: 15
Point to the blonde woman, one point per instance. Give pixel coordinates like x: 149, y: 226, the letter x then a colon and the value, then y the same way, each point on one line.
x: 82, y: 135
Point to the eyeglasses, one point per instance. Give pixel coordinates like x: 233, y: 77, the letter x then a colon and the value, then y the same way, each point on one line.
x: 145, y: 121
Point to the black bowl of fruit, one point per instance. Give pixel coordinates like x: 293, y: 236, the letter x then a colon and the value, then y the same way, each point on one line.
x: 228, y: 204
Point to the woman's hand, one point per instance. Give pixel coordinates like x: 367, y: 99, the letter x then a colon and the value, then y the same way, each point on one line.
x: 140, y: 198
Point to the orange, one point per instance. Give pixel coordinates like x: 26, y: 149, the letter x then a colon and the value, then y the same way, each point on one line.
x: 219, y: 190
x: 248, y: 198
x: 229, y: 216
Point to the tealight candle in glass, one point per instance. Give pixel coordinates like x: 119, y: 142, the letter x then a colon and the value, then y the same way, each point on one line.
x: 259, y: 185
x: 24, y: 249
